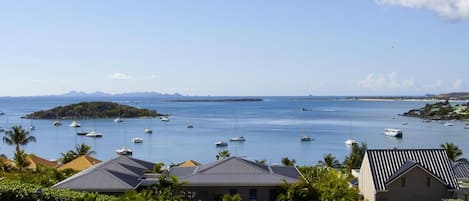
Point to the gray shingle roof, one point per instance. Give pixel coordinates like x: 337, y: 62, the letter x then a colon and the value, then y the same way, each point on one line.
x: 116, y: 175
x: 387, y: 164
x: 235, y: 171
x: 461, y: 170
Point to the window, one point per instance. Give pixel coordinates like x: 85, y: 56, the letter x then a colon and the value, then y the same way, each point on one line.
x: 403, y: 182
x: 429, y: 181
x: 252, y: 195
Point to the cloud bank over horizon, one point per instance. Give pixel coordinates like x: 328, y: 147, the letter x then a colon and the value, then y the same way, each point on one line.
x: 448, y: 9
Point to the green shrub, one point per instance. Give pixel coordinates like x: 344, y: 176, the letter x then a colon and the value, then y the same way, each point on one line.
x: 18, y: 191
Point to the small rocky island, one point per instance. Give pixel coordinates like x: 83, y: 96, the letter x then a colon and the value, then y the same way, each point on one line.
x: 441, y: 111
x: 90, y: 110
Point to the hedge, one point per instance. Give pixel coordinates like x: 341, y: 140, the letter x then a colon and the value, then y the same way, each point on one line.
x: 18, y: 191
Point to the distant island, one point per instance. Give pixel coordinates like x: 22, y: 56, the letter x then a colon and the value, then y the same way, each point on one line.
x: 218, y: 100
x: 445, y: 96
x: 90, y: 110
x: 441, y: 111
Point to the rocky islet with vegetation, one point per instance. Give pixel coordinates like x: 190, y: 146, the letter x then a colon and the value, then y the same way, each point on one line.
x: 90, y: 110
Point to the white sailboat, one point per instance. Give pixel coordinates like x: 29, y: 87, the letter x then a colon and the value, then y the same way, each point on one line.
x: 164, y: 119
x: 119, y: 119
x: 238, y: 138
x: 75, y: 124
x: 350, y: 141
x: 149, y: 130
x: 57, y: 121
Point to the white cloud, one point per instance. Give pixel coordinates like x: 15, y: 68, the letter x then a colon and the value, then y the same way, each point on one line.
x: 457, y: 84
x: 450, y: 9
x: 119, y: 76
x: 382, y: 81
x: 151, y: 77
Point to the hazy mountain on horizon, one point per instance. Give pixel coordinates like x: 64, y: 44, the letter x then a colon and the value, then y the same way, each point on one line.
x: 104, y: 94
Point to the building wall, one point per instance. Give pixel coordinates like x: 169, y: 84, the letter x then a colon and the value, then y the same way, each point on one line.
x: 216, y: 193
x: 415, y: 188
x: 365, y: 180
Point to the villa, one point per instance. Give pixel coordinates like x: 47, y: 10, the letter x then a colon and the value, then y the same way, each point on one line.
x: 234, y: 175
x: 114, y: 176
x: 407, y: 175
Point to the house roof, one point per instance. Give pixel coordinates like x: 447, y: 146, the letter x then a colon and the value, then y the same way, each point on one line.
x: 116, y: 175
x: 189, y: 163
x: 461, y: 170
x: 234, y: 171
x: 80, y: 163
x: 36, y: 160
x: 388, y: 164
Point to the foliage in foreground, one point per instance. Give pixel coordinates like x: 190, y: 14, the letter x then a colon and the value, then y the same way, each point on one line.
x: 320, y: 183
x: 18, y: 191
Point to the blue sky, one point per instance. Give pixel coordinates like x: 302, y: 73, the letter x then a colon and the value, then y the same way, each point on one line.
x: 243, y: 47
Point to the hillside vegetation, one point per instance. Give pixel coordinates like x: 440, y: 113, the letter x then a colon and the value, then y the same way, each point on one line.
x: 87, y: 110
x: 441, y: 111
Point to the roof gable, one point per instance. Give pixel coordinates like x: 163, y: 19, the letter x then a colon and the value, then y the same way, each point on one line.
x: 80, y: 163
x: 409, y: 166
x: 385, y: 163
x: 116, y: 175
x: 235, y: 171
x: 461, y: 170
x: 232, y: 165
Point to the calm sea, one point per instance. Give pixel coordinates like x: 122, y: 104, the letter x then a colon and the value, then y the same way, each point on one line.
x: 272, y: 129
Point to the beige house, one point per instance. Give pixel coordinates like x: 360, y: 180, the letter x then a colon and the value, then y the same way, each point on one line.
x: 407, y: 175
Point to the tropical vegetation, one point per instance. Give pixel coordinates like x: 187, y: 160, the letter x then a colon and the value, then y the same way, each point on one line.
x: 222, y: 155
x: 19, y: 137
x: 87, y: 110
x: 80, y: 150
x: 453, y: 151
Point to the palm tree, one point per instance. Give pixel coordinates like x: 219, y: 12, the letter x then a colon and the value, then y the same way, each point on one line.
x: 287, y: 162
x: 18, y: 137
x: 261, y: 162
x: 355, y: 158
x: 80, y: 150
x: 21, y: 160
x: 83, y: 149
x: 329, y: 161
x: 223, y: 154
x: 453, y: 151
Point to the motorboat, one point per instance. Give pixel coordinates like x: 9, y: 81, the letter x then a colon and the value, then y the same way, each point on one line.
x: 190, y: 126
x: 124, y: 152
x: 31, y: 128
x: 449, y: 124
x: 305, y: 138
x: 74, y: 124
x: 2, y: 129
x: 351, y: 142
x: 466, y: 127
x: 393, y: 132
x: 405, y: 123
x: 118, y: 120
x: 164, y: 119
x: 238, y: 139
x: 2, y: 113
x: 57, y: 123
x: 221, y: 144
x: 94, y: 134
x: 148, y: 130
x: 137, y: 140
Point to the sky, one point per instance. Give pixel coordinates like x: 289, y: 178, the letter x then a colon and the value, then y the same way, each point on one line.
x: 235, y: 48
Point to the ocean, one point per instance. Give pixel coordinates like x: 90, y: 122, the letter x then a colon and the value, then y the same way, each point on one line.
x: 272, y: 128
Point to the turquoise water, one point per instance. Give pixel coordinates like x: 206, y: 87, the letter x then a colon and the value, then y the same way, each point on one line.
x: 272, y: 129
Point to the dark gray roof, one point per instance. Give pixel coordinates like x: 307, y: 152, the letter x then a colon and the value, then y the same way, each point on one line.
x: 235, y: 171
x: 116, y: 175
x: 387, y: 164
x: 461, y: 170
